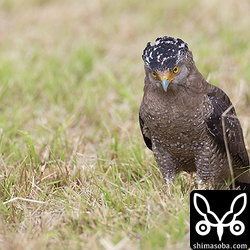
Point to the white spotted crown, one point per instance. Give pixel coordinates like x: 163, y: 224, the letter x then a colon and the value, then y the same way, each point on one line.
x: 167, y: 52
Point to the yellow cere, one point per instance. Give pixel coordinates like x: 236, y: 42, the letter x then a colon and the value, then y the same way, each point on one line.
x: 168, y: 76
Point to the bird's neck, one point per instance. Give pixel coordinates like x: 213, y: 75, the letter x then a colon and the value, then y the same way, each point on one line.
x: 196, y: 82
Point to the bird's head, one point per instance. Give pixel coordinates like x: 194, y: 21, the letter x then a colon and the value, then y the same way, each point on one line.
x: 165, y: 61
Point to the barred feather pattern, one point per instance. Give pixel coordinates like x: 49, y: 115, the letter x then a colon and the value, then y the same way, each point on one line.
x: 183, y: 125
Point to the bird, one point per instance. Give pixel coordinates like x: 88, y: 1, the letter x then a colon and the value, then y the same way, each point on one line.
x: 188, y: 123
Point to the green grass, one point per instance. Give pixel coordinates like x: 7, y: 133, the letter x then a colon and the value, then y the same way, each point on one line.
x: 71, y: 82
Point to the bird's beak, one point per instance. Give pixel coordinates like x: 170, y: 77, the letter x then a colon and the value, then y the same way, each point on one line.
x: 165, y: 80
x: 165, y: 83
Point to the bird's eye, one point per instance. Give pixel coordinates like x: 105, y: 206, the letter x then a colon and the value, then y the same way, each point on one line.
x: 154, y: 74
x: 176, y: 70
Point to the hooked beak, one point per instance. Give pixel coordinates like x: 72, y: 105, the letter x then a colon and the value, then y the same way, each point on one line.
x: 165, y: 80
x: 165, y: 84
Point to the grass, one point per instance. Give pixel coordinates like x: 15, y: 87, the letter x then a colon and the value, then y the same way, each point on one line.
x: 74, y: 171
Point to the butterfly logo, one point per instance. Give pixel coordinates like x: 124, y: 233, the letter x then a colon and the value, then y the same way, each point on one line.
x: 203, y: 227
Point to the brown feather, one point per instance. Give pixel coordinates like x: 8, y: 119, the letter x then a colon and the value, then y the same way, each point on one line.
x: 183, y: 126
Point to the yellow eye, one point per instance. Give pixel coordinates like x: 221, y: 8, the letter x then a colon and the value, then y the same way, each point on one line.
x: 176, y: 70
x: 154, y: 74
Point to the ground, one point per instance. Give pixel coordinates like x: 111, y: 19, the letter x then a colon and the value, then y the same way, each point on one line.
x: 74, y: 170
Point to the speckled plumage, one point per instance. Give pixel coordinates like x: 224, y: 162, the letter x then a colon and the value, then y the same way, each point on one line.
x: 183, y: 125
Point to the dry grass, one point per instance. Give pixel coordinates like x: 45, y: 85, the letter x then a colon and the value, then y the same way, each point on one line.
x: 74, y: 172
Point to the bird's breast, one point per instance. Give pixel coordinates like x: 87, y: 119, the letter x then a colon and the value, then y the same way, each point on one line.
x: 180, y: 123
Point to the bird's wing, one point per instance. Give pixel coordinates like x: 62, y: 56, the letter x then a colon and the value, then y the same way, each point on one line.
x: 145, y: 133
x: 220, y: 103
